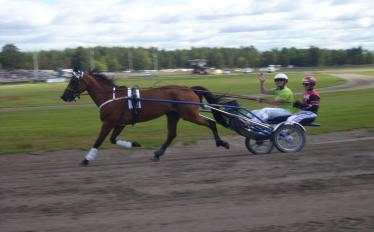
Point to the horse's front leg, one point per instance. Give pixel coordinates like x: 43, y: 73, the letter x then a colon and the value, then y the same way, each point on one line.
x: 123, y: 143
x: 91, y: 155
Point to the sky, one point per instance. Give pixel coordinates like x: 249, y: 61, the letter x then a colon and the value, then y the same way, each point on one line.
x: 34, y: 25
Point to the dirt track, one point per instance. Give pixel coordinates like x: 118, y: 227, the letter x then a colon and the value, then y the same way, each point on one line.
x: 326, y: 187
x: 329, y: 186
x: 353, y: 81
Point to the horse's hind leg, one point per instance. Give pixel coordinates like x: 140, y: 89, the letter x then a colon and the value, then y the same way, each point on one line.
x: 123, y: 143
x: 173, y: 118
x: 204, y: 121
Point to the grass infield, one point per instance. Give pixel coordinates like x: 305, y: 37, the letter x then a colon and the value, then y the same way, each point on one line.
x: 33, y: 118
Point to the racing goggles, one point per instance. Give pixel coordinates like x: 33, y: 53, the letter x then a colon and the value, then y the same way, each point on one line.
x: 306, y: 83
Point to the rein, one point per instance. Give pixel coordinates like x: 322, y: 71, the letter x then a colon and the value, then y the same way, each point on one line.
x: 222, y: 94
x: 170, y: 101
x: 196, y: 90
x: 79, y: 76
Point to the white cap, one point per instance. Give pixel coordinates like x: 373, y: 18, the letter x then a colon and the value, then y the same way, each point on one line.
x: 281, y: 76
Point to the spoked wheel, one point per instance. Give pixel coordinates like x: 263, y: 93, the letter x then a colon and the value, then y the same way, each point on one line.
x: 289, y: 138
x: 261, y: 146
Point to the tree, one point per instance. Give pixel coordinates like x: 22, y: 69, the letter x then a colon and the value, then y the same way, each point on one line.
x: 166, y: 59
x: 355, y: 56
x: 182, y: 57
x: 81, y: 59
x: 241, y: 62
x: 269, y: 57
x: 215, y: 59
x: 100, y: 66
x: 254, y: 56
x: 229, y: 57
x: 113, y: 64
x: 10, y: 57
x: 313, y: 56
x: 142, y: 59
x: 120, y: 58
x: 368, y: 57
x: 283, y: 57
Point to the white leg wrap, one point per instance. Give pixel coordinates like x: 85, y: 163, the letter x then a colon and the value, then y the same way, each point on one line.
x: 91, y: 155
x: 124, y: 143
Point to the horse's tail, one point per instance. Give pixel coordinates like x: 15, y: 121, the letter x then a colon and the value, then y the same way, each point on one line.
x: 203, y: 92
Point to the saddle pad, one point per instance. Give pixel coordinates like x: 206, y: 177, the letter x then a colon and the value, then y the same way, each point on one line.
x: 132, y: 97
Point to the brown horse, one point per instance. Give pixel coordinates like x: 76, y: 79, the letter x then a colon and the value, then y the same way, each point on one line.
x: 115, y: 112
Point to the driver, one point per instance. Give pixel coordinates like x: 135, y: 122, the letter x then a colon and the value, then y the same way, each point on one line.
x: 310, y: 103
x: 283, y: 99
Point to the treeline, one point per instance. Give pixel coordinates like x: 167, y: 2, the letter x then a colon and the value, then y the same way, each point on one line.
x: 124, y: 58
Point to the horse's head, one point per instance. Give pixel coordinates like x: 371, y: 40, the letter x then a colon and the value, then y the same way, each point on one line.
x: 76, y: 86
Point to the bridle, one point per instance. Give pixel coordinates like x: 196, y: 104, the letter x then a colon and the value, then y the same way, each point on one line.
x: 78, y: 75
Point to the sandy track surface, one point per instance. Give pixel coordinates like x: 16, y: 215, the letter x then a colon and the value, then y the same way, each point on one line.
x: 329, y: 186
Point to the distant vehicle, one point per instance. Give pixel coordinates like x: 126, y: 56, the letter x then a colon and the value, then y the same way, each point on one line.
x: 56, y: 80
x: 61, y: 72
x: 270, y: 69
x: 248, y: 70
x: 218, y: 71
x: 273, y: 67
x: 198, y: 66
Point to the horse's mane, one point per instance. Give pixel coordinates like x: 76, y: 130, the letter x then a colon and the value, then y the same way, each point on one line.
x: 102, y: 78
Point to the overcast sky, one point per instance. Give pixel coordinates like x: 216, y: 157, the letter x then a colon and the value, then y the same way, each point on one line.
x: 34, y: 25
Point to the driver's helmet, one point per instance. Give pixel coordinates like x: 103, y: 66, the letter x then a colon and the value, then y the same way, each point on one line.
x: 281, y: 76
x: 309, y: 80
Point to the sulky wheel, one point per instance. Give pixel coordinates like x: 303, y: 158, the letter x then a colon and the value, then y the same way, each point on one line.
x: 261, y: 146
x: 289, y: 138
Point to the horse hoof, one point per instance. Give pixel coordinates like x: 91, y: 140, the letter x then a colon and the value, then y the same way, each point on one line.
x: 136, y: 144
x: 159, y: 153
x: 155, y: 159
x: 84, y: 163
x: 224, y: 144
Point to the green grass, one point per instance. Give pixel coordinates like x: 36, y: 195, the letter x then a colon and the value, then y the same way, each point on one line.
x: 39, y: 94
x: 43, y: 94
x: 75, y: 127
x: 234, y: 84
x: 35, y: 130
x: 346, y: 111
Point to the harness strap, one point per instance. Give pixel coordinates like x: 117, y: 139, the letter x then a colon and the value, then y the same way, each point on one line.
x: 134, y: 104
x: 133, y: 95
x: 113, y: 98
